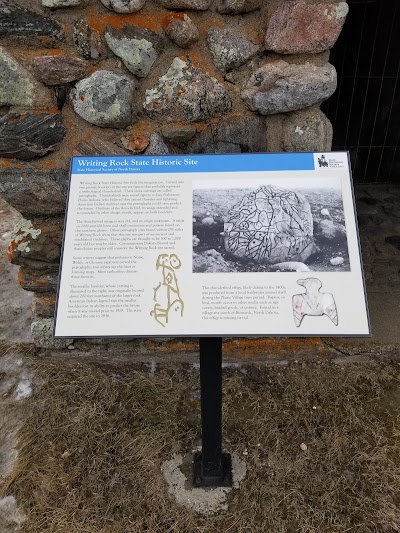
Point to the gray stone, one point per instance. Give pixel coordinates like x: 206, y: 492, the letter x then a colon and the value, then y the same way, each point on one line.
x: 123, y: 6
x: 269, y: 226
x: 307, y: 130
x: 181, y: 29
x: 178, y: 134
x: 228, y: 49
x: 87, y: 40
x: 97, y: 146
x: 43, y: 305
x: 281, y: 87
x: 298, y: 27
x: 16, y: 21
x: 41, y: 282
x: 29, y: 136
x: 57, y: 70
x: 207, y: 262
x: 157, y: 146
x: 33, y: 191
x: 186, y: 93
x: 54, y: 4
x: 104, y: 99
x: 42, y: 333
x: 335, y: 261
x: 199, y: 5
x: 38, y: 241
x: 328, y: 230
x: 138, y: 48
x: 232, y: 135
x: 235, y: 7
x: 18, y: 87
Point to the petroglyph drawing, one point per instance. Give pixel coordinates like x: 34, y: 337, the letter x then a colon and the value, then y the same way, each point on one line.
x: 167, y: 297
x: 269, y: 226
x: 313, y: 302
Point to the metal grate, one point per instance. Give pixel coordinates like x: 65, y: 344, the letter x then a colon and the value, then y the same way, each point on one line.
x: 365, y: 109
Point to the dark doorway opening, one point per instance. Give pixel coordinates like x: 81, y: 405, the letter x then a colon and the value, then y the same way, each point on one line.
x: 365, y: 109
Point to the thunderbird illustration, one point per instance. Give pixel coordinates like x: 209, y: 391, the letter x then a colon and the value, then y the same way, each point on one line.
x: 313, y: 302
x: 167, y: 297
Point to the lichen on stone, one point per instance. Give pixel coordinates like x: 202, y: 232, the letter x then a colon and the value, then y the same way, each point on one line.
x: 22, y: 233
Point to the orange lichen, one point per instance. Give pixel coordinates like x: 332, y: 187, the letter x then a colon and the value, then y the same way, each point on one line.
x: 150, y: 20
x: 11, y: 247
x: 166, y: 21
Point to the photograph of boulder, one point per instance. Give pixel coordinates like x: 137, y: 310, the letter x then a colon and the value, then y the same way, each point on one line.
x: 269, y: 226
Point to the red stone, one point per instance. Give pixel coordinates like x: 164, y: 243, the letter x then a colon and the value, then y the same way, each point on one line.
x: 135, y: 143
x: 297, y: 27
x: 57, y: 70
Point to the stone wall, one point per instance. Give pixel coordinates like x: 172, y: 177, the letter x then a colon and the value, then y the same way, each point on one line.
x: 103, y: 77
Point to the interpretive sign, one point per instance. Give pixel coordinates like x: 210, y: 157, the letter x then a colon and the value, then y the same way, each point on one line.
x: 249, y: 244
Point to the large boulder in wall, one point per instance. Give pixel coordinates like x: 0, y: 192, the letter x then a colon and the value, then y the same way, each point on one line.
x: 270, y: 225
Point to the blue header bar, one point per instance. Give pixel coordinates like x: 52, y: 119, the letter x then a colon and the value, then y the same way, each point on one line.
x: 192, y: 163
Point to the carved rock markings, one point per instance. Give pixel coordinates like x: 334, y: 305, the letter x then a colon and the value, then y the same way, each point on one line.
x: 29, y: 136
x: 138, y: 48
x: 18, y: 87
x: 123, y: 6
x: 186, y: 93
x: 104, y: 99
x: 281, y: 87
x: 269, y: 226
x: 18, y: 21
x: 57, y: 70
x: 228, y: 49
x: 298, y: 27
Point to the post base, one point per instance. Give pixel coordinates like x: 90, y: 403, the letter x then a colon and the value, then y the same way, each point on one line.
x: 221, y: 477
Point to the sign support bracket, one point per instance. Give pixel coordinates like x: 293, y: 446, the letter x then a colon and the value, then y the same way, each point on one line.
x: 211, y: 467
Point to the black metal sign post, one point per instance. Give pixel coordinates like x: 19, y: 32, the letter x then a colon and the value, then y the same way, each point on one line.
x: 211, y: 467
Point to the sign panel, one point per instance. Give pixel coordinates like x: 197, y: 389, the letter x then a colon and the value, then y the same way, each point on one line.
x: 250, y: 244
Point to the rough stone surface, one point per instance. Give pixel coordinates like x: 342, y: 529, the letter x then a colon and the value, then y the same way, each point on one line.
x: 87, y: 40
x: 308, y: 130
x: 42, y: 333
x: 35, y: 243
x: 123, y: 6
x: 269, y: 226
x: 281, y: 87
x: 35, y: 192
x: 54, y: 4
x: 210, y: 262
x: 18, y: 87
x: 228, y: 49
x: 232, y: 135
x: 104, y: 99
x: 178, y: 134
x: 15, y: 313
x: 135, y: 143
x: 180, y: 28
x: 138, y: 48
x: 57, y: 70
x: 186, y: 93
x: 199, y: 5
x: 157, y: 145
x: 43, y: 305
x: 235, y: 7
x: 97, y: 146
x: 298, y: 27
x: 29, y: 136
x: 16, y: 21
x: 42, y: 282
